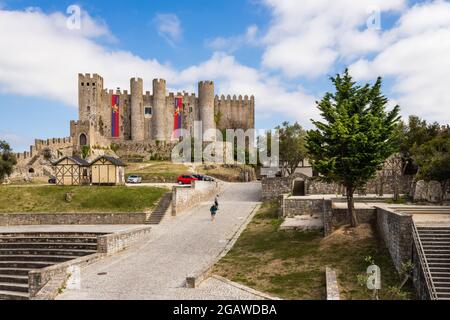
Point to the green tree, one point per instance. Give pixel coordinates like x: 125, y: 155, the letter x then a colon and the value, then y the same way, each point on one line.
x: 355, y: 137
x: 7, y: 160
x: 433, y: 159
x: 292, y: 146
x: 411, y: 135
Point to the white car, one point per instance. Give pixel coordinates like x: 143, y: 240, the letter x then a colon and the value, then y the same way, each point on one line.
x: 134, y: 179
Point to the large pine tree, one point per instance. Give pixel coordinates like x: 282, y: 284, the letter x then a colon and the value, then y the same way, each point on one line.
x: 355, y: 136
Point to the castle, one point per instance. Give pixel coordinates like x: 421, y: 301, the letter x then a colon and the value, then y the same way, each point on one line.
x: 108, y: 116
x: 136, y: 120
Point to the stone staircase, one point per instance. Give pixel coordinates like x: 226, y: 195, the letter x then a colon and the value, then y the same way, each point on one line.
x: 435, y: 242
x: 23, y: 252
x: 161, y: 208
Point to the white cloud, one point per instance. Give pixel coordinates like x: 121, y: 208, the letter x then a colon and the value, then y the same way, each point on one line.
x: 16, y: 140
x: 307, y: 37
x: 43, y: 58
x: 231, y: 44
x: 415, y: 54
x: 169, y: 27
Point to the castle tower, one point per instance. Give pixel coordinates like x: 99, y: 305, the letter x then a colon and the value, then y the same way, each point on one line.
x: 206, y: 104
x: 137, y: 109
x: 89, y: 96
x: 159, y: 119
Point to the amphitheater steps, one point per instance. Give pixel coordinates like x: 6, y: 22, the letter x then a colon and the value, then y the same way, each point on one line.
x: 436, y: 247
x: 22, y: 252
x: 160, y: 211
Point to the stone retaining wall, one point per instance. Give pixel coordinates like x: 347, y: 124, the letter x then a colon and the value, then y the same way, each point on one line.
x: 272, y: 188
x: 115, y: 242
x: 396, y: 231
x: 184, y: 198
x: 18, y: 219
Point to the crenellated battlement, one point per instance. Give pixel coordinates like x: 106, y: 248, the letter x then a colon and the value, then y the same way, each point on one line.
x: 244, y: 100
x: 159, y: 81
x: 205, y: 83
x: 147, y: 114
x: 39, y: 145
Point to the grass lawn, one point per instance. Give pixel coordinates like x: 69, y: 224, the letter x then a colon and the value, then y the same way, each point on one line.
x: 50, y: 199
x: 157, y: 171
x: 291, y: 264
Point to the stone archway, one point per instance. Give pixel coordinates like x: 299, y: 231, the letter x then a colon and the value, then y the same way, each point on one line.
x: 83, y: 140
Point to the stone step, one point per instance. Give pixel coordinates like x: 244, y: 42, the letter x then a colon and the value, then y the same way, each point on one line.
x: 25, y: 264
x: 44, y: 245
x: 437, y: 278
x: 442, y: 284
x: 10, y: 295
x: 436, y: 251
x: 437, y: 255
x: 15, y: 271
x: 49, y: 239
x: 51, y: 234
x: 30, y: 258
x: 15, y: 287
x: 14, y: 279
x: 434, y: 242
x: 439, y: 269
x: 47, y: 252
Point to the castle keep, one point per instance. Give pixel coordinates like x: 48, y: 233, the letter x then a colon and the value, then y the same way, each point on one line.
x: 108, y: 116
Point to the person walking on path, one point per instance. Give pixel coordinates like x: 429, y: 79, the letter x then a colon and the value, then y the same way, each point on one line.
x: 216, y: 201
x: 213, y: 211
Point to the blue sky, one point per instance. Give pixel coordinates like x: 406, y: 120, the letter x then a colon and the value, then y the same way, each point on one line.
x: 281, y: 51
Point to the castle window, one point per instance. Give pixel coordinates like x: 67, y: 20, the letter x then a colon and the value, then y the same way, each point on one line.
x: 148, y: 111
x: 190, y: 109
x: 82, y: 84
x: 83, y: 140
x: 87, y: 84
x: 88, y: 109
x: 93, y: 84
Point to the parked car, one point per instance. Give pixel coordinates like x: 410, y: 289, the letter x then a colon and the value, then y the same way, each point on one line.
x: 134, y: 179
x: 52, y: 180
x: 202, y: 177
x: 186, y: 179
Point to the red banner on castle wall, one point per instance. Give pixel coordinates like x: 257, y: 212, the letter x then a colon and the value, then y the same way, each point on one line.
x: 115, y: 116
x: 177, y: 117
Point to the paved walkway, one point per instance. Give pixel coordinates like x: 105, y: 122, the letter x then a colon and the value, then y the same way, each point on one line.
x: 177, y: 248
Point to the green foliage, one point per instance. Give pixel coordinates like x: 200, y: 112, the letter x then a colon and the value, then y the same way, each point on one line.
x: 114, y: 147
x: 292, y: 146
x: 410, y: 136
x: 433, y: 158
x: 85, y: 151
x: 218, y: 117
x: 356, y: 136
x: 7, y: 160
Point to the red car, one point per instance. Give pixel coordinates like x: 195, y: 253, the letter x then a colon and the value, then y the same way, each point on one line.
x: 186, y: 179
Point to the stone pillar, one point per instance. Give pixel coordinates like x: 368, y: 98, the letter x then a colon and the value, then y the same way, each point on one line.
x: 159, y: 123
x: 206, y: 105
x: 137, y: 110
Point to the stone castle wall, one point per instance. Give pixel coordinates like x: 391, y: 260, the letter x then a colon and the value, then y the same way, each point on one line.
x: 137, y: 125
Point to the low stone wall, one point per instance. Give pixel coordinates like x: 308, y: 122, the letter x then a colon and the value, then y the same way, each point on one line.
x: 19, y: 219
x: 272, y: 188
x: 432, y: 191
x: 332, y: 217
x: 184, y: 198
x: 294, y: 206
x: 396, y: 231
x: 38, y: 278
x: 115, y: 242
